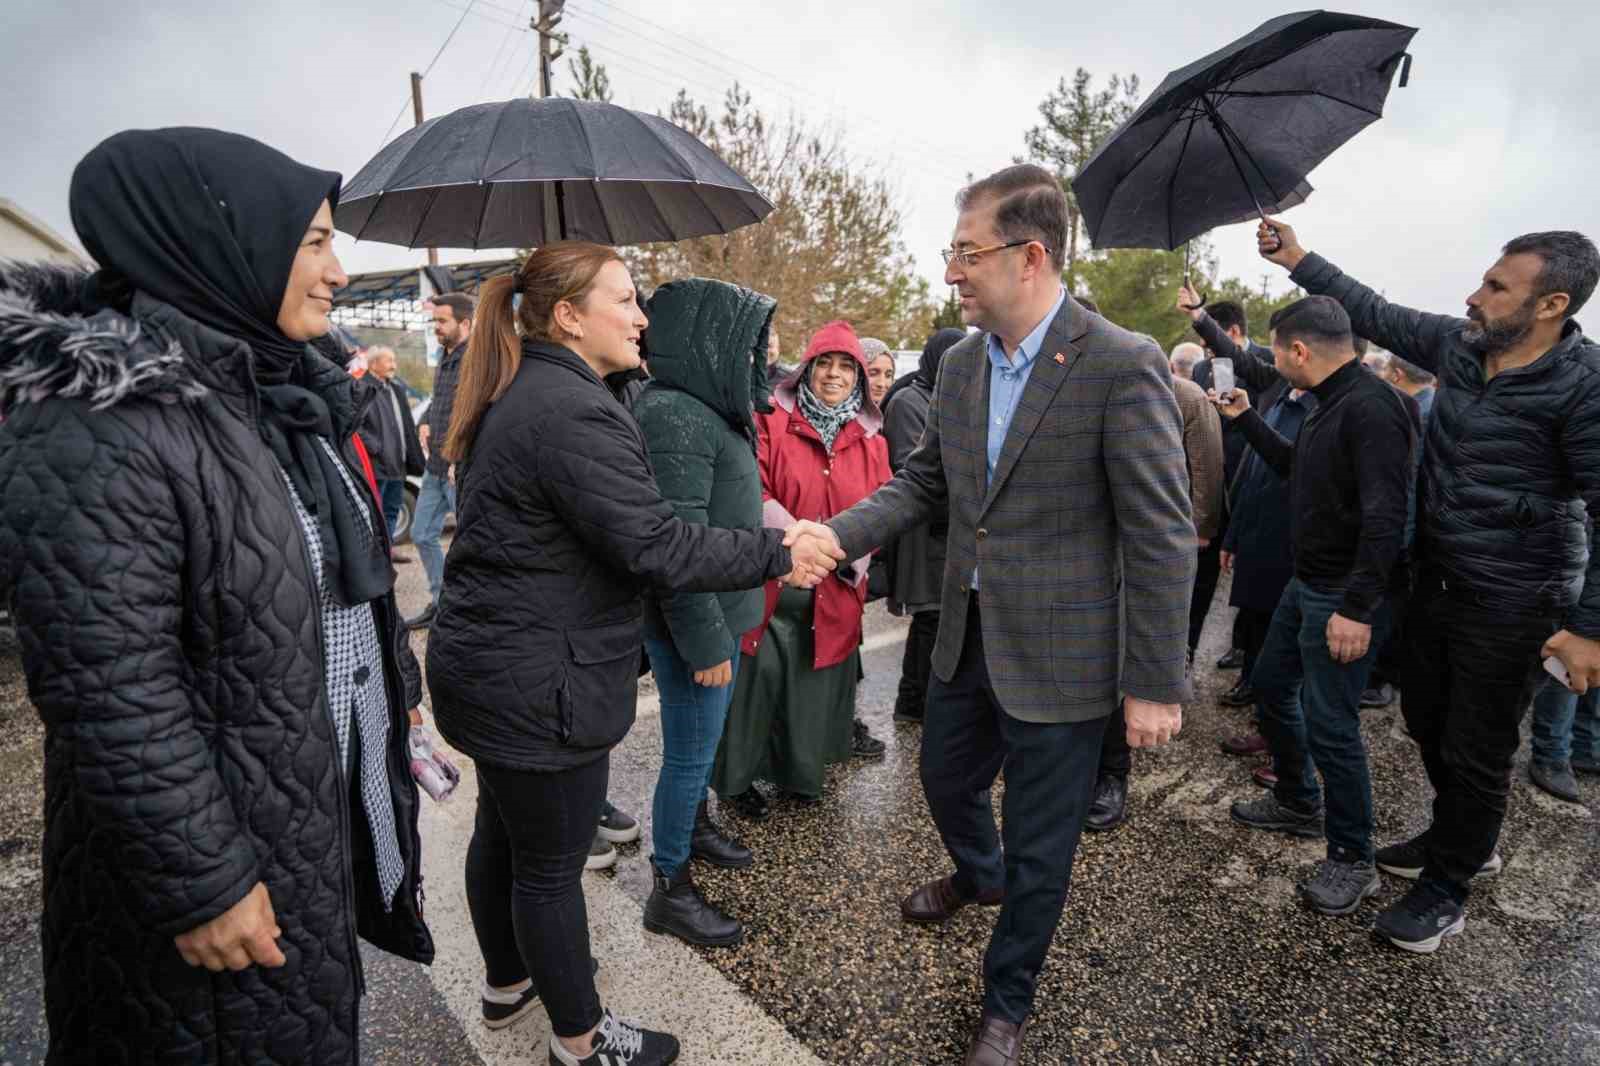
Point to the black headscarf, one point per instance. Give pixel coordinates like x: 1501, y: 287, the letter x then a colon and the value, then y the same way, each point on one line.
x: 927, y: 372
x: 210, y: 223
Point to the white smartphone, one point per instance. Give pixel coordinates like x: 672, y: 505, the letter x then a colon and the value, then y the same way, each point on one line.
x: 1222, y: 377
x: 1558, y: 670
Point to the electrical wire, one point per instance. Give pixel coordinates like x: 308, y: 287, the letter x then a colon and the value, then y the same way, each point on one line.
x: 429, y: 70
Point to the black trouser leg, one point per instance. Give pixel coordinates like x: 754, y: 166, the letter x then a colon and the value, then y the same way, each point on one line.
x: 1469, y: 676
x: 1116, y: 758
x: 524, y: 884
x: 916, y: 664
x: 1205, y: 587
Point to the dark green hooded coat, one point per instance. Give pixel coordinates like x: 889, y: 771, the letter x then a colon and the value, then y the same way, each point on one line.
x: 705, y: 341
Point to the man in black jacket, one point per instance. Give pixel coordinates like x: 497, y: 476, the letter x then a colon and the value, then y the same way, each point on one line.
x: 1512, y: 459
x: 452, y: 327
x: 1349, y: 473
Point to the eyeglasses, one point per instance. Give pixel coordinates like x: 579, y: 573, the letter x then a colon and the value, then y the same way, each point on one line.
x: 970, y: 258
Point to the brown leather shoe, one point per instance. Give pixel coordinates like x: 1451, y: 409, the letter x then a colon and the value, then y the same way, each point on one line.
x: 998, y: 1043
x: 938, y: 901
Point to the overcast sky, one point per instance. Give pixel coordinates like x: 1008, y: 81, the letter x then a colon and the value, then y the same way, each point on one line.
x: 1497, y: 134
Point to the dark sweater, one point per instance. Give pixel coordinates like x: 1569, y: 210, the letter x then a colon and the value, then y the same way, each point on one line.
x: 1349, y: 477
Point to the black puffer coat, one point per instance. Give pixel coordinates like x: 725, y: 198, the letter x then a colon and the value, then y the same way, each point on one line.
x: 533, y: 661
x: 1511, y: 466
x: 169, y: 627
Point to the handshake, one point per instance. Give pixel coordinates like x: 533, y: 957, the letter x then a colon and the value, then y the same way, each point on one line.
x: 815, y: 552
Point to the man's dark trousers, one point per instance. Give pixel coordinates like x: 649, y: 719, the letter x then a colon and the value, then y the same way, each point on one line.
x: 1467, y: 678
x: 1049, y: 783
x: 1310, y: 712
x: 1207, y: 573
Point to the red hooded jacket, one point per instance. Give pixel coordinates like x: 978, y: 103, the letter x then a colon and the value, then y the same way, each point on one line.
x: 799, y: 479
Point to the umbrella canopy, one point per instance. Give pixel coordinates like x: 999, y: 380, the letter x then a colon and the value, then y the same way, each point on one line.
x: 1232, y: 136
x: 523, y: 172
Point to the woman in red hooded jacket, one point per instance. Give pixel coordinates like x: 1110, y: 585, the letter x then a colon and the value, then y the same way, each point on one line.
x: 820, y: 451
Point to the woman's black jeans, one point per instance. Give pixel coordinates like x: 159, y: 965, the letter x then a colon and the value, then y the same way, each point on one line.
x: 524, y: 873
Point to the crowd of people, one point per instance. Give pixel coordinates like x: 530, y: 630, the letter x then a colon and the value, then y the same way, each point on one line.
x: 199, y: 536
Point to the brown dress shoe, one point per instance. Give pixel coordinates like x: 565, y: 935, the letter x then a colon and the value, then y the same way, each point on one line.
x: 938, y: 901
x: 998, y: 1043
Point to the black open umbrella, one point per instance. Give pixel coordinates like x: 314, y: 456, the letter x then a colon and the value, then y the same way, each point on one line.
x: 1232, y: 136
x: 526, y: 172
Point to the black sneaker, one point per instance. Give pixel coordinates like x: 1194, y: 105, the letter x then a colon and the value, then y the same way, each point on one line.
x: 1339, y: 887
x: 501, y: 1014
x: 1240, y: 695
x: 1585, y: 764
x: 1421, y: 919
x: 618, y: 827
x: 620, y: 1042
x: 1267, y: 813
x: 1378, y: 696
x: 863, y: 745
x: 1407, y: 859
x: 1234, y: 660
x: 602, y: 856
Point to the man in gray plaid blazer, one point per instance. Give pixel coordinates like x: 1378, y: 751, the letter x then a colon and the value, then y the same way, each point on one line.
x: 1056, y: 443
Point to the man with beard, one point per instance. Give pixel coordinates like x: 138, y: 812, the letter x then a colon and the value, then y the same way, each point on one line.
x: 1503, y: 577
x: 452, y: 327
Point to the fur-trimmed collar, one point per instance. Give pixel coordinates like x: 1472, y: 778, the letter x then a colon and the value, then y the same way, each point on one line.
x: 58, y: 339
x: 55, y: 340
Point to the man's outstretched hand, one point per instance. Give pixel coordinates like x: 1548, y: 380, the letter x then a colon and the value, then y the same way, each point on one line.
x: 1231, y: 406
x: 815, y: 550
x: 1189, y: 302
x: 1277, y: 243
x: 1151, y: 724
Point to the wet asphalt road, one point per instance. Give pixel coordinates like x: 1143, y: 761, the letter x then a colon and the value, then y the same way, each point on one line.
x: 1183, y: 940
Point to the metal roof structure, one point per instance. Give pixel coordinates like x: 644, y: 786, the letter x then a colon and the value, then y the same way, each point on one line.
x: 393, y: 299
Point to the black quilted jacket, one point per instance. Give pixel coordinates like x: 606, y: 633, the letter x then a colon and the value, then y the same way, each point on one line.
x: 533, y: 660
x: 170, y: 638
x: 1511, y: 466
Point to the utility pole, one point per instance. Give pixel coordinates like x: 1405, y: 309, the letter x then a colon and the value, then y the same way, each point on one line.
x: 416, y: 112
x: 550, y: 42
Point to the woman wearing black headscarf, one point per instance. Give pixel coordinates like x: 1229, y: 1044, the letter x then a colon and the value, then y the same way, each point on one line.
x: 202, y: 589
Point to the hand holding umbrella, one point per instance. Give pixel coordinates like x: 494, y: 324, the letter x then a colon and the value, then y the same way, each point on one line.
x: 1277, y: 243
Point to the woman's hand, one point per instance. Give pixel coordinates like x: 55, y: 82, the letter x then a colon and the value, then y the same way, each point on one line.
x: 245, y: 933
x: 719, y: 676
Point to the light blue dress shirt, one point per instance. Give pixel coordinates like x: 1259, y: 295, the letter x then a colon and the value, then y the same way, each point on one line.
x: 1008, y: 379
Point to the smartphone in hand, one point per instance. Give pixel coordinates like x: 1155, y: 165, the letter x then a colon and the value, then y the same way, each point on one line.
x: 1222, y: 377
x: 1558, y: 670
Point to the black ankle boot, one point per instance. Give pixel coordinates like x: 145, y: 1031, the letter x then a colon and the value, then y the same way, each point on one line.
x: 676, y: 908
x: 711, y: 844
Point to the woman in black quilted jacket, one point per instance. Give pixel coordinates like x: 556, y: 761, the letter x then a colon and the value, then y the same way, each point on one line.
x: 201, y: 584
x: 533, y: 661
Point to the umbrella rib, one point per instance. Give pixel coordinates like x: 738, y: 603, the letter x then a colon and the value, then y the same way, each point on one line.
x: 1227, y: 133
x: 422, y: 218
x: 1304, y: 92
x: 483, y: 213
x: 370, y: 214
x: 494, y: 134
x: 1172, y: 182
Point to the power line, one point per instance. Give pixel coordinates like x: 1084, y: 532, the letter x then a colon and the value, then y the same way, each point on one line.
x: 921, y: 172
x: 448, y: 38
x: 499, y: 56
x: 893, y: 133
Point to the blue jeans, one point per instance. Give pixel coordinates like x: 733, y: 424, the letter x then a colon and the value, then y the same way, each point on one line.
x: 392, y: 491
x: 692, y: 719
x: 1565, y: 723
x: 1310, y: 711
x: 436, y: 500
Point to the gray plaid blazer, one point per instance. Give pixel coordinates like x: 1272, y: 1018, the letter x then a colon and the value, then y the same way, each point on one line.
x: 1084, y: 540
